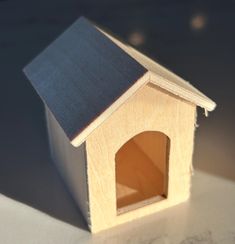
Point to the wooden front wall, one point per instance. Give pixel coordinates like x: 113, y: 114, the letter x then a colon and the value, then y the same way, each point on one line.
x: 150, y: 109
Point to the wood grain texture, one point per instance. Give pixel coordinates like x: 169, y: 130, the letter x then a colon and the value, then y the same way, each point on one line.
x: 71, y: 163
x: 141, y: 169
x: 150, y: 109
x: 154, y: 145
x: 96, y: 91
x: 81, y: 74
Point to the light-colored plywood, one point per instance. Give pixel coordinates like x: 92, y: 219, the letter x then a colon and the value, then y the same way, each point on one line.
x: 141, y: 169
x: 157, y: 75
x: 71, y: 163
x: 166, y: 79
x: 154, y: 145
x: 114, y: 182
x: 150, y: 109
x: 136, y: 172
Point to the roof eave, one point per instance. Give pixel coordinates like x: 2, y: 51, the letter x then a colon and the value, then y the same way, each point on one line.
x: 198, y: 99
x: 82, y: 136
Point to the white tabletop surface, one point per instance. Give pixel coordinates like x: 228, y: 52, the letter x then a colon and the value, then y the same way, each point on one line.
x: 208, y: 217
x: 43, y: 212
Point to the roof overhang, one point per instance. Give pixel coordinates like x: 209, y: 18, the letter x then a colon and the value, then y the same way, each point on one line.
x: 166, y: 79
x: 157, y: 75
x: 73, y: 75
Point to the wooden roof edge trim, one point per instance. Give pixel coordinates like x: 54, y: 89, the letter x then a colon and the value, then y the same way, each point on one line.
x: 200, y: 100
x: 195, y: 96
x: 81, y: 137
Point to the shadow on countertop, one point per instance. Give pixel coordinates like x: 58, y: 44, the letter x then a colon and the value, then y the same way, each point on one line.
x: 28, y: 175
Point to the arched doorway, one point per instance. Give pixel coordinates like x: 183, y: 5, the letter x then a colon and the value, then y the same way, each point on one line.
x: 142, y: 170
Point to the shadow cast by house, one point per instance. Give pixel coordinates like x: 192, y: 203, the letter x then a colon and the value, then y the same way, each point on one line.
x: 28, y: 175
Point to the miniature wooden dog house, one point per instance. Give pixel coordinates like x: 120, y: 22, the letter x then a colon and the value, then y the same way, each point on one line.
x: 121, y: 126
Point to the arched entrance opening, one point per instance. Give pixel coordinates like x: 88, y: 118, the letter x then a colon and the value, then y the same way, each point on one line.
x: 142, y: 170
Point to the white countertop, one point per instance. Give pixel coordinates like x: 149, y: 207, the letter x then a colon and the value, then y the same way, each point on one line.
x: 208, y: 217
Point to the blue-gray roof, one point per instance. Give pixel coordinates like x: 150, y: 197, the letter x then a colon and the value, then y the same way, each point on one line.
x: 81, y: 74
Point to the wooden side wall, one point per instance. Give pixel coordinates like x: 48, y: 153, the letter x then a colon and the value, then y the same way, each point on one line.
x: 150, y: 109
x: 71, y: 163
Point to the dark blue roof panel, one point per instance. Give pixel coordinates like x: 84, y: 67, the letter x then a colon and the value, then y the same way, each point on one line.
x: 81, y: 74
